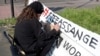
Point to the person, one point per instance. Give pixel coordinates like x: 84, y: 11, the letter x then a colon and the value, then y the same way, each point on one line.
x: 29, y: 33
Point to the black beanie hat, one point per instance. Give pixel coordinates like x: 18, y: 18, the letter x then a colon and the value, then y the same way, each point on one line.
x: 37, y: 6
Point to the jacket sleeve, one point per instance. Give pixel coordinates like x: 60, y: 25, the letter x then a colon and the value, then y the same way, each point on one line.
x: 40, y: 34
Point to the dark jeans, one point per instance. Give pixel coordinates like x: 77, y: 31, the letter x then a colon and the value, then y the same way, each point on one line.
x: 47, y: 47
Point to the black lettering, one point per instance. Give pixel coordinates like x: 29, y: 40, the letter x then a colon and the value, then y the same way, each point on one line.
x: 61, y: 24
x: 50, y: 18
x: 86, y: 39
x: 67, y: 45
x: 93, y: 42
x: 73, y: 30
x: 56, y: 18
x: 67, y: 28
x: 50, y: 13
x: 78, y: 53
x: 79, y: 35
x: 72, y: 50
x: 59, y: 40
x: 53, y: 17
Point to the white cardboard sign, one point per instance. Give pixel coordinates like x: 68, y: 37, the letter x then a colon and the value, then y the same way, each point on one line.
x: 75, y: 40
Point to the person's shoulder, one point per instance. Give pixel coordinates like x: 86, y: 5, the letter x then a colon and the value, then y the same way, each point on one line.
x: 30, y: 20
x: 33, y: 21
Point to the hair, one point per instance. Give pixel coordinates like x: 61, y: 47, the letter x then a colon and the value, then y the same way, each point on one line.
x: 31, y: 11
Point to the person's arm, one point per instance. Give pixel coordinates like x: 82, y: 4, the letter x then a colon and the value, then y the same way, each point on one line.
x: 40, y: 34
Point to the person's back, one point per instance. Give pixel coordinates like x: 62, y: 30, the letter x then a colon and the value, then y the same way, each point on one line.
x: 24, y: 33
x: 30, y: 35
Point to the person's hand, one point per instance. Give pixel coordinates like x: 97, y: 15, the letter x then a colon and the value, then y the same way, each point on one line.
x: 51, y: 26
x: 57, y: 27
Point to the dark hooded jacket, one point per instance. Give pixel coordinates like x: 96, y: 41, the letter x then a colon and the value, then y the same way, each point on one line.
x: 31, y: 36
